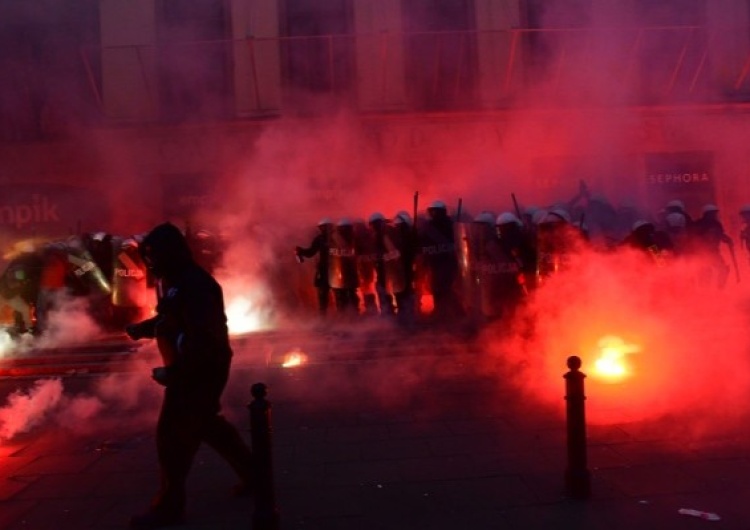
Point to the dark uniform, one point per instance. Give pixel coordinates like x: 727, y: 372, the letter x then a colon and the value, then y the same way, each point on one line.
x: 654, y: 243
x: 99, y: 245
x: 319, y: 247
x: 130, y: 286
x: 364, y: 247
x: 675, y: 225
x: 191, y: 329
x: 745, y: 230
x: 556, y: 240
x: 519, y: 251
x: 474, y: 255
x: 389, y: 268
x: 404, y: 241
x: 438, y: 248
x: 707, y: 235
x: 343, y: 276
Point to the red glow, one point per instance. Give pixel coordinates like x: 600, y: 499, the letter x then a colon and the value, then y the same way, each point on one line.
x: 426, y: 304
x: 649, y: 345
x: 294, y: 358
x: 612, y: 365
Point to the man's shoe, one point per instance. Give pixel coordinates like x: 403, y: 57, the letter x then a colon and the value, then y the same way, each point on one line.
x: 157, y: 519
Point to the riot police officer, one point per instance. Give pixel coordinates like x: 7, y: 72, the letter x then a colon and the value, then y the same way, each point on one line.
x: 130, y: 285
x: 342, y: 268
x: 365, y: 256
x: 404, y: 239
x: 438, y: 249
x: 389, y: 267
x: 708, y: 236
x: 557, y: 240
x: 518, y: 244
x: 654, y: 243
x: 319, y: 246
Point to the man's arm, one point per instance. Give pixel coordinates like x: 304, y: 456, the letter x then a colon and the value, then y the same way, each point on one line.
x: 313, y: 249
x: 145, y: 329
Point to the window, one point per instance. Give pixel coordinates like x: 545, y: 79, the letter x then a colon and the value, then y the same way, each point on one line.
x: 557, y: 31
x: 319, y: 49
x: 671, y: 49
x: 440, y: 53
x: 45, y: 91
x: 194, y: 59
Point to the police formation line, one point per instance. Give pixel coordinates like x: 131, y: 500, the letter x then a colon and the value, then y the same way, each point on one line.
x: 487, y: 264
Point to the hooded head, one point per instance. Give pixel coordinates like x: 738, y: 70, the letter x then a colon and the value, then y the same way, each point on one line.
x: 165, y: 250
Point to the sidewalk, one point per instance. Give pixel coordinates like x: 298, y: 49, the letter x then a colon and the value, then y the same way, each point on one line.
x: 390, y: 443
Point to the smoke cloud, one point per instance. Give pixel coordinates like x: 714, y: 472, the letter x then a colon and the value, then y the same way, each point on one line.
x: 589, y: 111
x: 26, y: 410
x: 123, y: 401
x: 688, y: 341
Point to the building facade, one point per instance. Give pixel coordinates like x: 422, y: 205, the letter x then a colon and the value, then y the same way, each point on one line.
x: 164, y: 107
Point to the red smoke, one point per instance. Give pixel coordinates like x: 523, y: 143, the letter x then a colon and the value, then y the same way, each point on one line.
x: 692, y: 339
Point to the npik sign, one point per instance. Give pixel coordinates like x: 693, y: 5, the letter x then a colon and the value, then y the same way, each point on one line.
x: 51, y: 209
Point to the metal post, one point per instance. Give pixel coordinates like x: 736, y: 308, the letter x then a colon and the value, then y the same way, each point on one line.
x: 266, y: 514
x: 577, y: 477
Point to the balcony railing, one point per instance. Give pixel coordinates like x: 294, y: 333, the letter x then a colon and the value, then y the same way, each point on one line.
x: 417, y: 72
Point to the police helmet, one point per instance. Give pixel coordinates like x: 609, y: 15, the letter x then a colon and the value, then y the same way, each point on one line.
x: 344, y: 221
x: 437, y: 205
x: 485, y: 217
x: 710, y: 208
x: 676, y: 204
x: 506, y: 218
x: 376, y: 216
x: 641, y: 223
x: 675, y: 220
x: 325, y: 221
x: 75, y: 243
x: 561, y: 214
x: 402, y: 217
x: 129, y: 244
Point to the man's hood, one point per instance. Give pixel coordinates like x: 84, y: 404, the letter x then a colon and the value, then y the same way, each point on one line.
x: 165, y: 250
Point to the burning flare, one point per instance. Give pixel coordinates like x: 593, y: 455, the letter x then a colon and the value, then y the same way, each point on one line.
x: 612, y: 365
x: 296, y: 357
x: 243, y: 316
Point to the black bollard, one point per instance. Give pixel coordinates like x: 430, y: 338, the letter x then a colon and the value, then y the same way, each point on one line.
x: 266, y: 514
x: 577, y: 476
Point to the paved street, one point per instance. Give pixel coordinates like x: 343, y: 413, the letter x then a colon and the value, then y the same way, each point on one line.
x: 372, y: 434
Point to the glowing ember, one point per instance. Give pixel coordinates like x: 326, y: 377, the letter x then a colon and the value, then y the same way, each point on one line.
x: 243, y: 316
x: 612, y: 364
x: 294, y: 358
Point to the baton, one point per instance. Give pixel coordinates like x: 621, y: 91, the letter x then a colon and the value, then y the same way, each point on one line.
x: 734, y: 262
